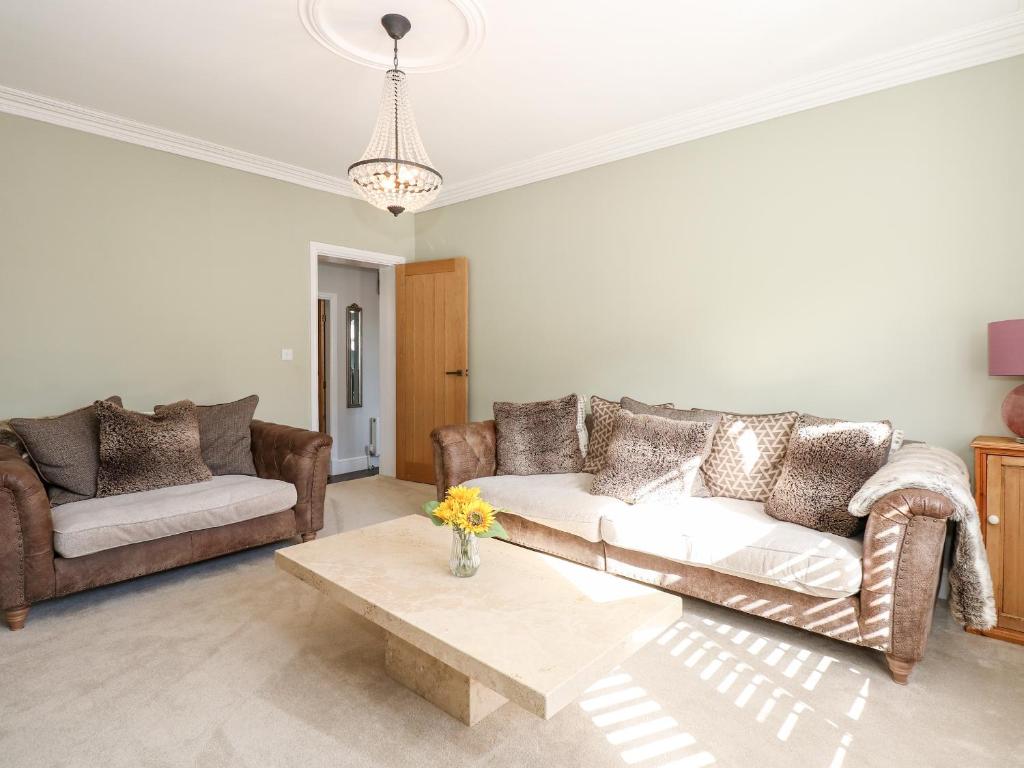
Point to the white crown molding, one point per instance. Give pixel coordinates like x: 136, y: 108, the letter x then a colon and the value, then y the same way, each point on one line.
x: 980, y: 44
x: 25, y: 104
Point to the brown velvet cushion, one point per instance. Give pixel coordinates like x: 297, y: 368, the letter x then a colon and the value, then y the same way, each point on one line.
x: 65, y: 451
x: 653, y: 458
x: 225, y: 436
x: 139, y: 452
x: 747, y: 455
x: 827, y: 462
x: 539, y: 438
x: 599, y: 430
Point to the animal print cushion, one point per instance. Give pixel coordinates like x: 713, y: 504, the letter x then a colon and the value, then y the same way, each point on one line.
x: 651, y: 458
x: 826, y: 463
x: 542, y: 438
x: 600, y: 428
x: 139, y: 452
x: 747, y: 454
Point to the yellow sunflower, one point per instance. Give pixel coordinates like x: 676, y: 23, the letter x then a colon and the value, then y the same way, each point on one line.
x: 463, y: 494
x: 445, y: 512
x: 477, y: 517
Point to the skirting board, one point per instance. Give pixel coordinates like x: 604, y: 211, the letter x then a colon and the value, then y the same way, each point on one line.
x: 352, y: 464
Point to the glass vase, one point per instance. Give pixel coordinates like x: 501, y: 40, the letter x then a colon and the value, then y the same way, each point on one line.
x: 465, y: 557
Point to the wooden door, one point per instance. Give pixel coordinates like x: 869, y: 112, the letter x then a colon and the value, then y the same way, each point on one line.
x: 432, y: 373
x: 323, y: 346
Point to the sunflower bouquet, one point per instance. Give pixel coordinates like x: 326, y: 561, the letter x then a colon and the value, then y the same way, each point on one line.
x: 470, y: 518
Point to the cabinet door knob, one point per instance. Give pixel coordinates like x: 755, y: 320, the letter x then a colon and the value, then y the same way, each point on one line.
x: 993, y: 519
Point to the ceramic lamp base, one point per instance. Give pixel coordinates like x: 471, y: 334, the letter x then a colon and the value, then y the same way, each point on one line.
x: 1013, y: 412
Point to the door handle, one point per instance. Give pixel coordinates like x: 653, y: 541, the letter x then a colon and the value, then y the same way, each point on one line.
x: 459, y: 372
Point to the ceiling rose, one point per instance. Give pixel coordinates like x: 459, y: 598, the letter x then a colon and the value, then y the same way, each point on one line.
x: 448, y: 31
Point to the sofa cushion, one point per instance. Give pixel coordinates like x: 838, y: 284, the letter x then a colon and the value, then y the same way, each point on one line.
x: 827, y: 462
x: 651, y: 457
x: 667, y: 411
x: 546, y: 437
x: 65, y: 451
x: 142, y: 452
x: 225, y: 435
x: 737, y: 537
x: 747, y: 455
x: 599, y: 430
x: 562, y: 502
x: 93, y: 525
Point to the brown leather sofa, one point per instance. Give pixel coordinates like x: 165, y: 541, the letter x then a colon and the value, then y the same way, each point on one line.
x: 31, y: 571
x: 901, y: 562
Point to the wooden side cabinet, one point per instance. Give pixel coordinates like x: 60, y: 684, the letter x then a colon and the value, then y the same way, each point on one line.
x: 999, y: 490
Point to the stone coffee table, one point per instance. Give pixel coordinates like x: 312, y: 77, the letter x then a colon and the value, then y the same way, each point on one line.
x: 527, y: 627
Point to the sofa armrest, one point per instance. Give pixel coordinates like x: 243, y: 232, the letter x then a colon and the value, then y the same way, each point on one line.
x: 903, y: 544
x: 26, y: 534
x: 462, y: 452
x: 297, y: 456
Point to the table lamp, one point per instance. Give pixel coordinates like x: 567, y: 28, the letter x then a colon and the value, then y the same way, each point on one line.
x: 1006, y: 358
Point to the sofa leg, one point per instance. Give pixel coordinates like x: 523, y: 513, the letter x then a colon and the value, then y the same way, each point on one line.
x: 16, y: 617
x: 899, y: 669
x: 308, y: 536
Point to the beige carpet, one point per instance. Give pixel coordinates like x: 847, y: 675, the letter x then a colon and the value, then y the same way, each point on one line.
x: 231, y: 663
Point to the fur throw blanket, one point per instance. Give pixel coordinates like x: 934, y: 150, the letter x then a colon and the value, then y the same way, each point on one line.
x: 918, y: 465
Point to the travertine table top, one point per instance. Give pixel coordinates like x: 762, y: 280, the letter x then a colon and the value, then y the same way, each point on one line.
x: 536, y: 629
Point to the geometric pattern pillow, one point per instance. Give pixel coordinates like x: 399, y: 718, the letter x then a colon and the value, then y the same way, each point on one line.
x: 827, y: 462
x: 747, y: 454
x: 602, y: 424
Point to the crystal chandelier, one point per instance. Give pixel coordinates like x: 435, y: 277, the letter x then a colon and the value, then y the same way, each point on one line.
x: 394, y: 173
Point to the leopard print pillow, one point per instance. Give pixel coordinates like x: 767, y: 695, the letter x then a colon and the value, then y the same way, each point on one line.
x: 600, y: 426
x: 651, y: 458
x: 542, y: 438
x: 141, y: 452
x: 826, y: 463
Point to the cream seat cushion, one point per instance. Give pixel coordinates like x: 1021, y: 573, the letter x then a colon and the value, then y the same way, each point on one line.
x: 739, y: 538
x: 83, y: 527
x: 562, y: 502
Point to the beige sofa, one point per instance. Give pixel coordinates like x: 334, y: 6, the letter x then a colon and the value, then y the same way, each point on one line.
x: 877, y: 590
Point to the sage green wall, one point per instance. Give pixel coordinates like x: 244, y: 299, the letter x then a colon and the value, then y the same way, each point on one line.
x: 841, y: 261
x: 132, y: 271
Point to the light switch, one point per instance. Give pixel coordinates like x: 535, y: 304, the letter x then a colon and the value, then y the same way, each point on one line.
x: 286, y: 354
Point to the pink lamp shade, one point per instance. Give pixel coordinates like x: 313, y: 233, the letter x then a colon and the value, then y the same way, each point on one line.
x: 1006, y: 358
x: 1006, y: 348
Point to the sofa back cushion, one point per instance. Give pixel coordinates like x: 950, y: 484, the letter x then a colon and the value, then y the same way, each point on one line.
x: 600, y: 425
x: 651, y: 458
x: 225, y: 436
x: 827, y: 462
x: 65, y: 450
x: 747, y: 455
x: 541, y: 438
x: 668, y: 411
x: 139, y: 452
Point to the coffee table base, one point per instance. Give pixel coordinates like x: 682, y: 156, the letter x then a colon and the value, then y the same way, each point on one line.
x: 459, y: 695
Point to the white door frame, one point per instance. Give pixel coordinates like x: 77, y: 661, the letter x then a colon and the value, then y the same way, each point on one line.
x: 385, y: 265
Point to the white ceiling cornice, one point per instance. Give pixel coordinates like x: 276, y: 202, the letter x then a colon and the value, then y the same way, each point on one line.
x: 81, y: 118
x: 970, y: 47
x: 981, y: 44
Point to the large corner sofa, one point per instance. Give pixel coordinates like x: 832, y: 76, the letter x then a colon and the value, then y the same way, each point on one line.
x: 50, y: 552
x: 876, y: 590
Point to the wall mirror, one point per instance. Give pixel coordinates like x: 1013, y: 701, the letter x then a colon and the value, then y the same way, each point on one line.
x: 354, y: 354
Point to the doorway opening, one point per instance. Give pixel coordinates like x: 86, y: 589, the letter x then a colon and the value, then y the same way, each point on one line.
x: 352, y: 346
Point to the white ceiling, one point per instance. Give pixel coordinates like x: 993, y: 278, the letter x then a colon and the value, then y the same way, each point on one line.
x: 523, y: 90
